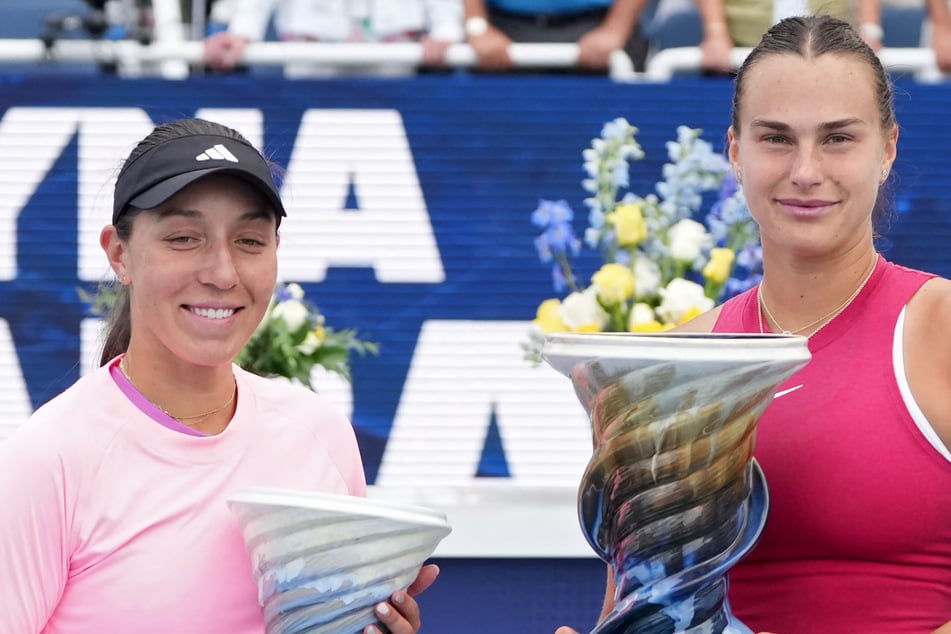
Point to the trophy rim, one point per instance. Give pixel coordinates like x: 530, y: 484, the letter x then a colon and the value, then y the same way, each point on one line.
x: 339, y: 504
x: 562, y: 350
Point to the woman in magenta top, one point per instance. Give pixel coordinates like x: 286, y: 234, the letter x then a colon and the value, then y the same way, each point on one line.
x: 856, y: 450
x: 114, y: 516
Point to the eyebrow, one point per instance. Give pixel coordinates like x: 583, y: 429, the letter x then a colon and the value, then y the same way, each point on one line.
x: 827, y: 126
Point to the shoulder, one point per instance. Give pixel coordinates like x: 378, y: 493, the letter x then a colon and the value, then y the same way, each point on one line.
x: 280, y: 393
x: 301, y: 421
x: 927, y: 352
x: 283, y: 402
x: 929, y: 307
x: 59, y: 448
x: 78, y: 419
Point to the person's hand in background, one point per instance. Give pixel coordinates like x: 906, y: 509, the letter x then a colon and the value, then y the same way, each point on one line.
x: 223, y: 50
x: 492, y: 49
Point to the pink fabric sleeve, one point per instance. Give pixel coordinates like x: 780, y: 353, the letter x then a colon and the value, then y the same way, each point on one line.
x: 34, y: 542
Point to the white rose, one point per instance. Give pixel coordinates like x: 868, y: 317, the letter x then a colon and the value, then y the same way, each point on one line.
x: 646, y: 277
x: 680, y: 296
x: 295, y: 291
x: 687, y: 239
x: 310, y: 343
x: 292, y: 312
x: 580, y: 310
x: 642, y: 313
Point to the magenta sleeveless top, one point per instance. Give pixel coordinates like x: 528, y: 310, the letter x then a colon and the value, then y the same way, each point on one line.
x: 859, y: 531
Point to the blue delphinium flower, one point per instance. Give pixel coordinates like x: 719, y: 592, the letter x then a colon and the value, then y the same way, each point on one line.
x: 557, y: 243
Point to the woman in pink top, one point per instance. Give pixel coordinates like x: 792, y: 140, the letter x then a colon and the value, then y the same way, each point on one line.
x: 114, y: 516
x: 856, y: 450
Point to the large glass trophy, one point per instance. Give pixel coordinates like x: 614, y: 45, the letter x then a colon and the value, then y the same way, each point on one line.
x: 672, y: 497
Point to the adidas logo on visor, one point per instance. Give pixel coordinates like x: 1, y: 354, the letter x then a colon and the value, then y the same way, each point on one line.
x: 217, y: 153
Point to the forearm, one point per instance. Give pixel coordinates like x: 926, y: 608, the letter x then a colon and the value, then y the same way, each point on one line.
x: 623, y: 16
x: 938, y: 13
x: 869, y: 12
x: 712, y: 17
x: 475, y: 9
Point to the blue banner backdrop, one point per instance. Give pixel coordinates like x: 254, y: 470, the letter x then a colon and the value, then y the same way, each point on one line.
x: 412, y: 198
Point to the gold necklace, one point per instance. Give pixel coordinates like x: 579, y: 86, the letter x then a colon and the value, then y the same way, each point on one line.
x: 234, y: 393
x: 822, y: 321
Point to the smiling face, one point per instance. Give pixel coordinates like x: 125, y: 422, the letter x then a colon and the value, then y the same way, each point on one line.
x: 201, y: 270
x: 810, y: 147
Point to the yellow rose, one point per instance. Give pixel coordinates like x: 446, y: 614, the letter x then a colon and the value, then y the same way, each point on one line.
x: 651, y: 326
x: 615, y: 283
x: 588, y: 328
x: 310, y: 343
x: 690, y: 313
x: 629, y: 225
x: 548, y: 316
x: 719, y: 266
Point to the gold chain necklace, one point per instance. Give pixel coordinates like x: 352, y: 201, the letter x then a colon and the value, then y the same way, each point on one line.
x: 822, y: 321
x: 234, y: 393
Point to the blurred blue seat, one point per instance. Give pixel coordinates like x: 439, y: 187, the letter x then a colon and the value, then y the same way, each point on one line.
x: 673, y: 28
x: 27, y: 18
x: 902, y: 26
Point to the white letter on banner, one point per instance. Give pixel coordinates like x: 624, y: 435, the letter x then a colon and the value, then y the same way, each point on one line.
x: 106, y: 136
x: 31, y: 139
x: 15, y: 404
x: 91, y: 338
x: 461, y: 371
x: 390, y: 232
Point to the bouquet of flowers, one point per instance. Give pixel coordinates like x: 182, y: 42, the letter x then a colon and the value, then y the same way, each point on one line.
x: 290, y: 341
x: 661, y: 267
x: 293, y: 338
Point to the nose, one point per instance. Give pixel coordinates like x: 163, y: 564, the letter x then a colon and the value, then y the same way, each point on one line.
x: 807, y: 166
x: 219, y: 268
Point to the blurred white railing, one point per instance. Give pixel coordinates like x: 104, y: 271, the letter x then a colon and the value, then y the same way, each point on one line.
x: 172, y: 59
x: 920, y: 62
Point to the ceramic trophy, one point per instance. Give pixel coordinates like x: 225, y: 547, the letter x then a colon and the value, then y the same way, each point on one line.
x: 322, y: 562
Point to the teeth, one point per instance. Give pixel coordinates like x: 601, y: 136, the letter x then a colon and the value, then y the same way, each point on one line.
x: 214, y: 313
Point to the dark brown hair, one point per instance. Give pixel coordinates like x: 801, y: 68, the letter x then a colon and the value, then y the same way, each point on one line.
x: 813, y: 36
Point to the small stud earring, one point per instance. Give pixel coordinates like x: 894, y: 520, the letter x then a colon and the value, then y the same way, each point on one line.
x: 884, y: 173
x: 739, y: 177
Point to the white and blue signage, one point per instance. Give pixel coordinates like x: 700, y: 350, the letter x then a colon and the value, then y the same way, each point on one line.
x: 409, y: 204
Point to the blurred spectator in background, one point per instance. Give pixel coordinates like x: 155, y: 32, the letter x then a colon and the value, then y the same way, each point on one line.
x: 938, y: 33
x: 730, y: 23
x: 741, y: 23
x: 434, y: 23
x: 599, y: 27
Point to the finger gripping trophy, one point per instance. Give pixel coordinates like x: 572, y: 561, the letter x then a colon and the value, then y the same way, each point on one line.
x: 672, y: 497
